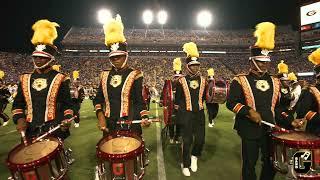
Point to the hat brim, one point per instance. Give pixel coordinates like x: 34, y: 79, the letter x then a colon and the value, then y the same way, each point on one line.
x: 193, y: 63
x: 41, y: 54
x: 117, y: 53
x: 262, y: 58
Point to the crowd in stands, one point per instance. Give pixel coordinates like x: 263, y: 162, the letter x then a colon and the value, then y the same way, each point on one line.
x: 155, y: 68
x: 165, y: 36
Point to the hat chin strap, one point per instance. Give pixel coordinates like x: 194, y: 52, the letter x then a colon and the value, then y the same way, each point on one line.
x: 256, y: 65
x: 43, y: 66
x: 189, y: 70
x: 124, y: 63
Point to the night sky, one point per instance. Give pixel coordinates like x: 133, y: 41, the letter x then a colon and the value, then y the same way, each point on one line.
x: 19, y: 15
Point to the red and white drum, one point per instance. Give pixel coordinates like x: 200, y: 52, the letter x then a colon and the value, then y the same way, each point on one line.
x: 296, y: 154
x: 43, y: 160
x: 217, y: 91
x: 121, y: 155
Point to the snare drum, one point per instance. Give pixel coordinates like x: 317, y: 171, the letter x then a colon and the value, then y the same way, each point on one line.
x: 217, y: 91
x: 296, y: 154
x: 121, y: 155
x: 43, y: 160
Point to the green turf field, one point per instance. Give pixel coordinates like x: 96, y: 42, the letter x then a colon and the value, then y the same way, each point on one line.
x: 220, y: 159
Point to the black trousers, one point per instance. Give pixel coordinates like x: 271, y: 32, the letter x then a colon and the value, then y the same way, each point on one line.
x: 3, y: 115
x: 76, y: 105
x: 193, y: 135
x: 250, y: 154
x: 175, y: 127
x: 213, y: 109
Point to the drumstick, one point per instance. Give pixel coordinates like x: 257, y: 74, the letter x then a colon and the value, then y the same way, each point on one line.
x: 137, y: 121
x: 274, y: 126
x: 23, y: 135
x: 52, y: 130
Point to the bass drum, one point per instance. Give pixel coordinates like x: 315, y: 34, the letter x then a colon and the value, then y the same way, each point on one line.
x: 217, y: 91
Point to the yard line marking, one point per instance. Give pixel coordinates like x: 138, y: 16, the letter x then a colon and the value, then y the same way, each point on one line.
x: 160, y: 160
x: 9, y: 132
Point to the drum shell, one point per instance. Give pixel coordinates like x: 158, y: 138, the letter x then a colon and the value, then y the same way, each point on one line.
x: 42, y: 165
x: 130, y: 165
x: 284, y: 149
x: 217, y: 91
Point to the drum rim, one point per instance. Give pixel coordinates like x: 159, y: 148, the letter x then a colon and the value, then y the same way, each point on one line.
x: 36, y: 163
x: 296, y: 143
x: 120, y: 157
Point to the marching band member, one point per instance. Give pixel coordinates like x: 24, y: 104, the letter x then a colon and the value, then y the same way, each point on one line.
x: 308, y: 104
x: 77, y: 96
x: 190, y: 95
x: 119, y: 96
x: 213, y: 108
x: 254, y: 97
x: 4, y: 96
x: 43, y: 98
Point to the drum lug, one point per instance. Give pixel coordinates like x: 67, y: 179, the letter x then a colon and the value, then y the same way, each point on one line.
x: 69, y: 157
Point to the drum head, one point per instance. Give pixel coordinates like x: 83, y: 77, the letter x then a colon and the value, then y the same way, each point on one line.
x: 33, y: 152
x: 120, y: 145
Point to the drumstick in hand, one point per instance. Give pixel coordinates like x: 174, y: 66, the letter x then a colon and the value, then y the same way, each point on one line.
x: 24, y: 139
x: 137, y: 121
x: 274, y: 126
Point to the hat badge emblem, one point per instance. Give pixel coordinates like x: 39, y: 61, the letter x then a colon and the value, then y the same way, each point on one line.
x: 114, y: 47
x: 265, y: 52
x: 41, y: 47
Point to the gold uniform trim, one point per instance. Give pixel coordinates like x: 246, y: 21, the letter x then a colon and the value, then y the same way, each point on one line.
x: 25, y: 85
x: 247, y: 91
x: 276, y: 93
x: 125, y: 93
x: 104, y: 84
x: 50, y: 112
x: 186, y: 92
x: 201, y: 91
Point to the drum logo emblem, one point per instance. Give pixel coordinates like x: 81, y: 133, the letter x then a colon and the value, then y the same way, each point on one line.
x: 116, y: 80
x: 194, y: 84
x: 39, y: 84
x: 302, y: 161
x: 262, y: 85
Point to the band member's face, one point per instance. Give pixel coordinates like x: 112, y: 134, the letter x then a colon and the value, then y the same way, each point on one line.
x: 263, y: 65
x: 118, y: 61
x: 40, y: 61
x: 194, y: 68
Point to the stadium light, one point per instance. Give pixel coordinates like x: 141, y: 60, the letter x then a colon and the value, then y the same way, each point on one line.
x: 204, y: 18
x: 147, y: 17
x: 162, y: 17
x: 104, y: 15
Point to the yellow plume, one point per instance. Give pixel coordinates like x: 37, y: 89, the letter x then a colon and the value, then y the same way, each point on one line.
x: 283, y: 68
x: 56, y: 67
x: 45, y: 32
x: 75, y: 75
x: 210, y: 72
x: 113, y: 31
x: 191, y: 49
x: 1, y: 74
x: 292, y: 77
x: 265, y: 33
x: 314, y: 57
x: 177, y: 64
